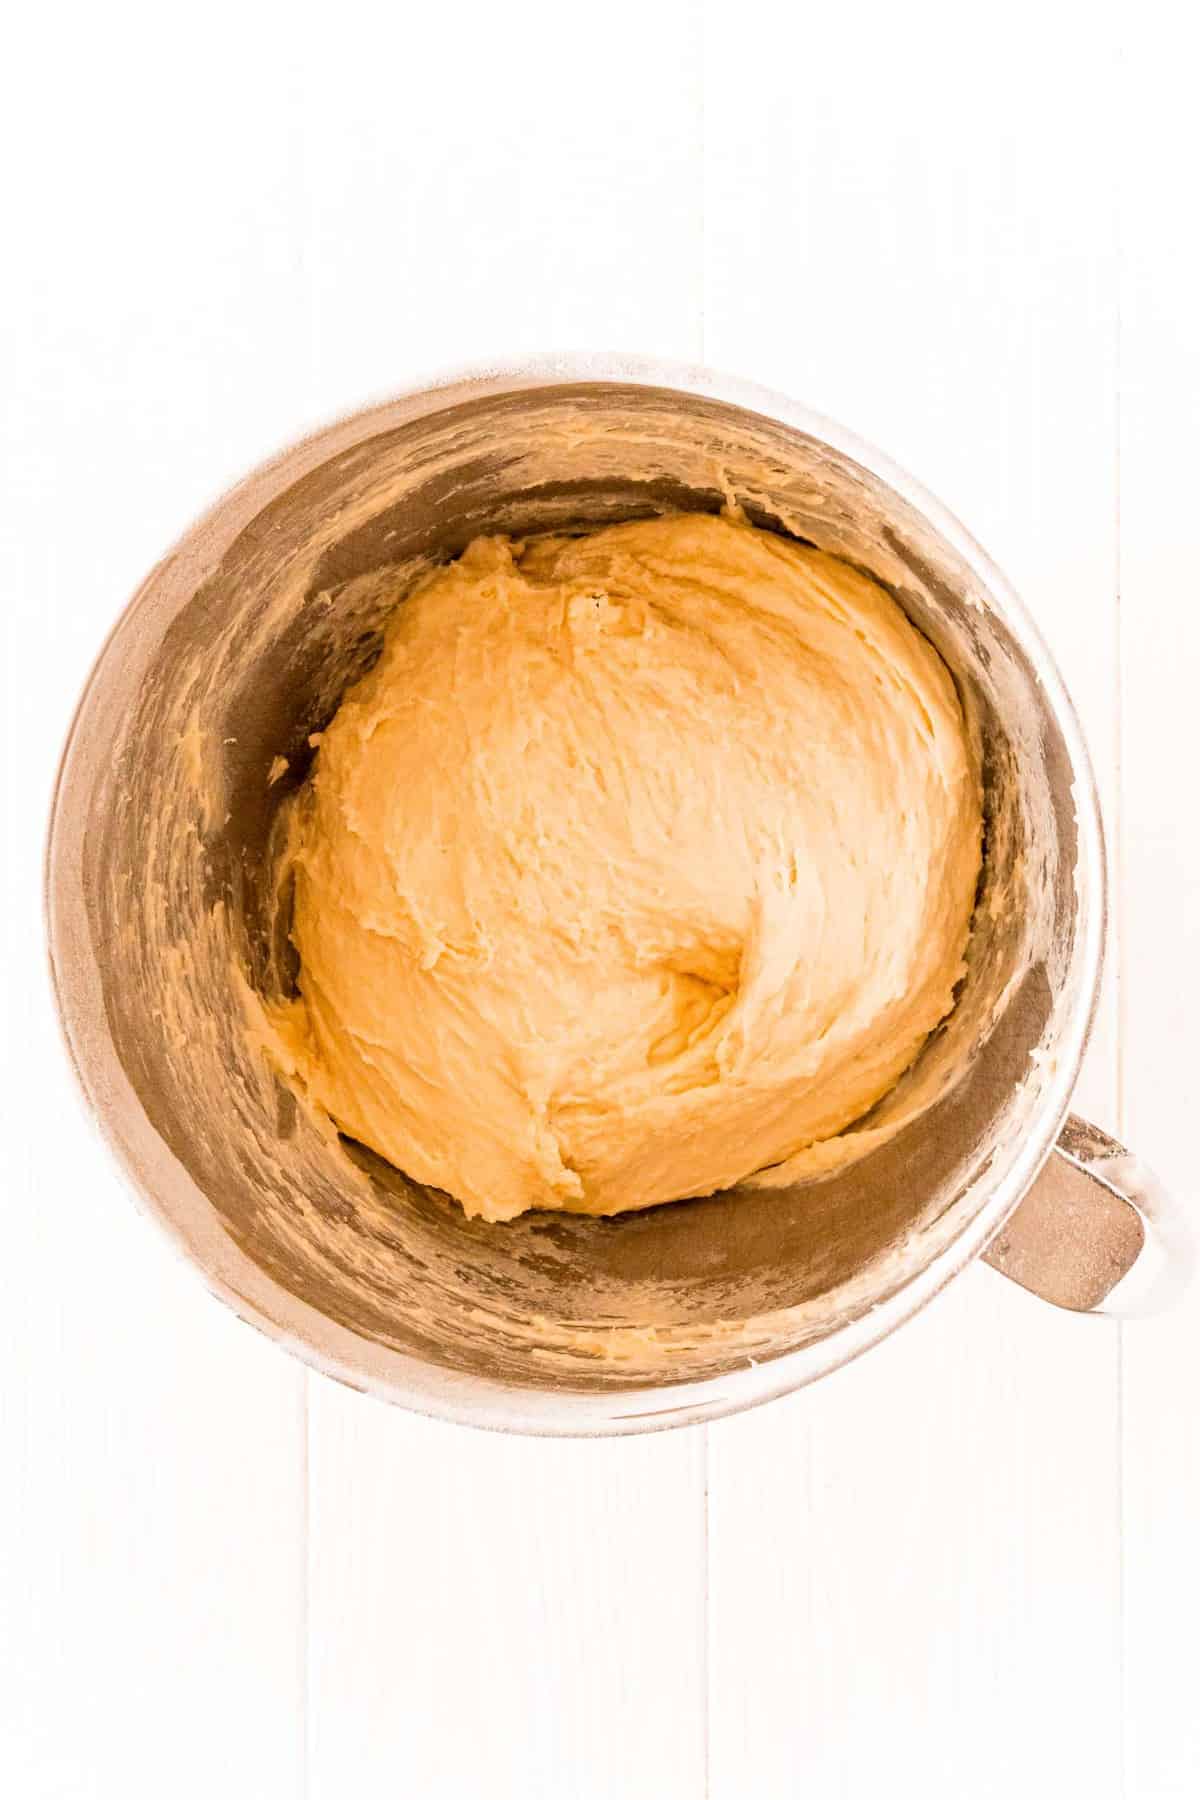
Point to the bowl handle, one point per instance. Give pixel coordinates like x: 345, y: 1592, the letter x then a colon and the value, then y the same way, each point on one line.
x: 1097, y: 1232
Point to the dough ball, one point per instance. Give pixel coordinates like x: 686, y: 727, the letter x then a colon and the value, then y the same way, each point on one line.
x: 640, y: 862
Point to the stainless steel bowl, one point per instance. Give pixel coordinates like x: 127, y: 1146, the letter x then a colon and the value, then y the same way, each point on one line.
x: 162, y: 909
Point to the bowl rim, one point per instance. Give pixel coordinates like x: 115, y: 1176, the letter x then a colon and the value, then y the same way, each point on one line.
x: 164, y: 1190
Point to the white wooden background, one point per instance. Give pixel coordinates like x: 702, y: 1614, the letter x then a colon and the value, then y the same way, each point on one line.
x: 969, y: 1565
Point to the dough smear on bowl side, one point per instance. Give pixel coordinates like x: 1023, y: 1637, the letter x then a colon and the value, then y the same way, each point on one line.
x: 641, y: 862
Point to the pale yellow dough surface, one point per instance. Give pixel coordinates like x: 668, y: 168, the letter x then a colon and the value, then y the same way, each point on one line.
x: 640, y: 862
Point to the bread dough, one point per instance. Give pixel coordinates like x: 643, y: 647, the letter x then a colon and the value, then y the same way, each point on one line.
x: 641, y: 861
